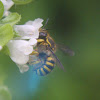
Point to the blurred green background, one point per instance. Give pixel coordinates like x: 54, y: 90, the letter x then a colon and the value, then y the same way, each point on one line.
x: 75, y: 23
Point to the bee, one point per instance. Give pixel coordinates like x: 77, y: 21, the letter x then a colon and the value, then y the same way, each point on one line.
x: 46, y: 48
x: 45, y: 59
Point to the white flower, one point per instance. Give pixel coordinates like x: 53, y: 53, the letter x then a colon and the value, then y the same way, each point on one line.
x: 23, y: 68
x: 33, y: 42
x: 7, y: 5
x: 30, y: 29
x: 0, y: 47
x: 20, y: 50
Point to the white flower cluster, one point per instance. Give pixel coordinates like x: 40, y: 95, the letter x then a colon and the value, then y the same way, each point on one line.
x: 21, y: 47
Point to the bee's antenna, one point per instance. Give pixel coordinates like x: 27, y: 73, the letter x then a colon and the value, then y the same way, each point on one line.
x: 46, y: 23
x: 48, y: 29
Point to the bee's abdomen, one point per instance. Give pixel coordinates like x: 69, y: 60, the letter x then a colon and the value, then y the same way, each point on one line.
x: 47, y: 67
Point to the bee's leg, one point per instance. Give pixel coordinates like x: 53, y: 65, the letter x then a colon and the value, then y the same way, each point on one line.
x: 40, y: 40
x: 34, y: 52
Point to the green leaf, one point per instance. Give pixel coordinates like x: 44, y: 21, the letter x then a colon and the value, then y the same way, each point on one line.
x: 1, y: 9
x: 11, y: 19
x: 4, y: 93
x: 20, y: 2
x: 6, y: 34
x: 16, y: 34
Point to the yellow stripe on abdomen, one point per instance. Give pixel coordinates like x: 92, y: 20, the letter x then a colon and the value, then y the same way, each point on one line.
x: 48, y: 63
x: 50, y: 58
x: 47, y: 68
x: 43, y: 71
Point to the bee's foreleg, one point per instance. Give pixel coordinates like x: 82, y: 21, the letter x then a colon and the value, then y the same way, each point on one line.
x: 34, y: 52
x: 40, y: 40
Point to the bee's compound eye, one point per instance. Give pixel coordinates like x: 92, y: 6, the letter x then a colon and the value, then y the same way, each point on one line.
x: 42, y: 34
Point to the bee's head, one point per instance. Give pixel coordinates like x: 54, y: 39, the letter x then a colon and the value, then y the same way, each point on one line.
x: 42, y: 34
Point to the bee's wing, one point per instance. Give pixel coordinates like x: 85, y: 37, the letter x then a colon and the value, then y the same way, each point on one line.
x: 37, y: 66
x: 66, y: 49
x: 32, y: 59
x: 34, y: 62
x: 57, y: 60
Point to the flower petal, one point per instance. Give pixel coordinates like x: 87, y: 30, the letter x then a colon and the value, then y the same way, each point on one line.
x: 24, y: 46
x: 0, y: 47
x: 26, y: 31
x: 7, y: 4
x: 19, y: 51
x: 36, y: 23
x: 23, y: 68
x: 30, y: 29
x: 32, y: 41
